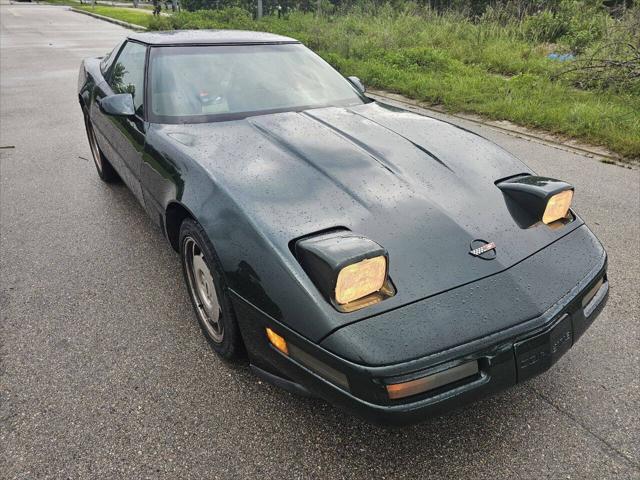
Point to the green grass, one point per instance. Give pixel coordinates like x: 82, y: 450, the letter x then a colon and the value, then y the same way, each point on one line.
x: 130, y: 15
x: 75, y: 3
x: 71, y: 3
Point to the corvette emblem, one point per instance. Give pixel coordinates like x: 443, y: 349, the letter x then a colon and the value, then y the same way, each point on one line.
x: 483, y: 249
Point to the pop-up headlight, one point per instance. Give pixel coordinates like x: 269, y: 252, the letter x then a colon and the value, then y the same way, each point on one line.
x: 351, y: 271
x: 545, y: 199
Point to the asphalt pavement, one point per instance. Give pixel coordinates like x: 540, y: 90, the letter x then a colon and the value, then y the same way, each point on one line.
x: 105, y: 374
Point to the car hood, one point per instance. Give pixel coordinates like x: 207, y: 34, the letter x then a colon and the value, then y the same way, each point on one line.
x: 422, y: 188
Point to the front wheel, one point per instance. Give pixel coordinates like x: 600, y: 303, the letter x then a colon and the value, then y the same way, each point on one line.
x: 208, y: 292
x: 106, y: 172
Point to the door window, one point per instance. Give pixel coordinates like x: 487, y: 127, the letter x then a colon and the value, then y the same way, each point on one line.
x: 127, y: 74
x: 107, y: 60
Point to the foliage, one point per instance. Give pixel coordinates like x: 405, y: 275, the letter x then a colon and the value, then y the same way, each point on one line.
x: 225, y: 18
x: 575, y: 23
x: 614, y: 63
x: 193, y: 5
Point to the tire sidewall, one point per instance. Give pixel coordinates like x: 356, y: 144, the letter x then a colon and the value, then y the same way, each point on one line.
x: 230, y: 345
x: 108, y: 173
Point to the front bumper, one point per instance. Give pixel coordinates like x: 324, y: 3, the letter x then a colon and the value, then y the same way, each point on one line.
x: 507, y: 361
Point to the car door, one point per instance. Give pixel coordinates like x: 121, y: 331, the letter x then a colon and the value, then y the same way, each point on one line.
x: 124, y: 137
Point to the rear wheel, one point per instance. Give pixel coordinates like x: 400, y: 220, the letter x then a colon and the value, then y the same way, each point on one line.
x: 105, y: 171
x: 208, y: 292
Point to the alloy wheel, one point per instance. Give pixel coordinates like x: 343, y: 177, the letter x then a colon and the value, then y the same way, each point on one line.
x: 202, y: 289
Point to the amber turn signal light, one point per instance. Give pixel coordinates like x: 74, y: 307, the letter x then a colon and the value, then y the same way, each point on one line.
x: 277, y: 341
x: 397, y: 391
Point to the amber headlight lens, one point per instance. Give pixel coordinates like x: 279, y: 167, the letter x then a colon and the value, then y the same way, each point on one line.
x: 557, y: 207
x: 360, y: 279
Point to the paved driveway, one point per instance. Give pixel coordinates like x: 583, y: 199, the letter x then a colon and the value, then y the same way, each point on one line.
x: 105, y: 374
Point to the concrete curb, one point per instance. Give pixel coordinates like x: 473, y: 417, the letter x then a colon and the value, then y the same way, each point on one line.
x: 131, y: 26
x: 514, y: 130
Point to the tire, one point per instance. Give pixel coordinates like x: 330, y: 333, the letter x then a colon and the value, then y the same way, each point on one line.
x: 208, y: 291
x: 106, y: 172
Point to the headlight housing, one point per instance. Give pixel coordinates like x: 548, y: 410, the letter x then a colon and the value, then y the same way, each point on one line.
x: 351, y: 271
x: 539, y: 198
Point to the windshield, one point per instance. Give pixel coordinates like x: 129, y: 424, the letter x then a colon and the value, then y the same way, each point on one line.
x: 212, y: 83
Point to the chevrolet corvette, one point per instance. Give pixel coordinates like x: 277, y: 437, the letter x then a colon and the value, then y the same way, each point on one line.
x: 393, y: 264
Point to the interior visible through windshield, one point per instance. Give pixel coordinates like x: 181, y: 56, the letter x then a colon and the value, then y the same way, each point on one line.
x: 205, y: 83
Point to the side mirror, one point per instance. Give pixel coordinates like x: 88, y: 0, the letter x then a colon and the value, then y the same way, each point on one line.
x: 355, y: 81
x: 120, y: 105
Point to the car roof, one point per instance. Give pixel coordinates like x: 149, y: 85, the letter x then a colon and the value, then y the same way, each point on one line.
x: 209, y: 37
